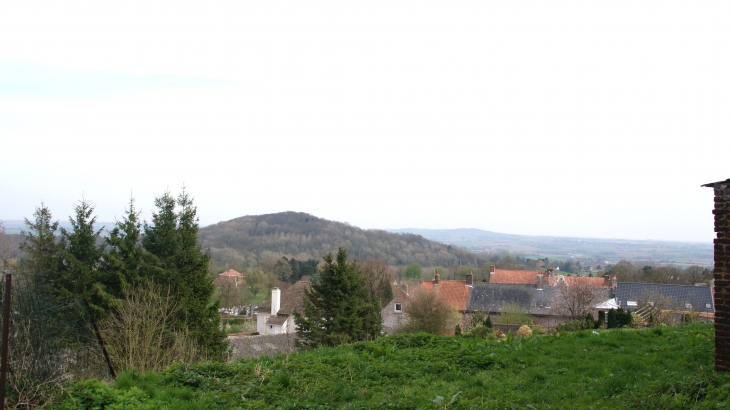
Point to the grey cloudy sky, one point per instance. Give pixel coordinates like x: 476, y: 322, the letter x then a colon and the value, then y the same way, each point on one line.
x: 566, y: 118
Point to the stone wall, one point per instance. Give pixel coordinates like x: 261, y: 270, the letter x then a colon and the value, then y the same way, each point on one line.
x: 722, y: 274
x: 246, y: 347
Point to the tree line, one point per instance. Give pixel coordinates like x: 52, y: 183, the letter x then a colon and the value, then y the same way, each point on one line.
x: 79, y: 266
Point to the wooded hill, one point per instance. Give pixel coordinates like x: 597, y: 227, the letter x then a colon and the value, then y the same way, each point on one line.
x: 252, y: 240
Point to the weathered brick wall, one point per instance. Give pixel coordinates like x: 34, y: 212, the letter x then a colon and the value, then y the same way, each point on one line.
x: 722, y: 275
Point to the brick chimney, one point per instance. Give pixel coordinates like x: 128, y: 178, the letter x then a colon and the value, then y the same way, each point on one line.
x: 614, y: 282
x: 436, y: 278
x: 539, y: 281
x: 606, y: 281
x: 469, y: 279
x: 491, y: 269
x: 722, y: 274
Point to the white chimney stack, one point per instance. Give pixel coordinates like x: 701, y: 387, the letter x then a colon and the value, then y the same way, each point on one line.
x: 275, y: 301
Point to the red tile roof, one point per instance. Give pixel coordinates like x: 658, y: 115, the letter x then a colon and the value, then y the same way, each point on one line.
x: 595, y: 282
x: 515, y: 277
x: 455, y: 292
x: 231, y: 273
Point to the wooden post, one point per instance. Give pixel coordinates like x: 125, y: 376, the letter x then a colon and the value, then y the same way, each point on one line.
x: 6, y: 333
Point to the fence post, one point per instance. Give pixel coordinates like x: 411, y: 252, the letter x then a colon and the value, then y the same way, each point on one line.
x: 6, y: 332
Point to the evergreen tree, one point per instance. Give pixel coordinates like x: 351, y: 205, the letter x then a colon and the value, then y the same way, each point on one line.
x: 339, y: 308
x: 41, y: 248
x: 601, y: 318
x: 488, y: 322
x: 125, y: 260
x: 612, y: 319
x: 182, y: 266
x: 81, y: 276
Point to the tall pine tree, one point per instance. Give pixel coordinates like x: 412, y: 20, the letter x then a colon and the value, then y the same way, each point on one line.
x: 182, y: 266
x: 339, y: 308
x: 125, y: 260
x: 81, y: 276
x: 40, y: 245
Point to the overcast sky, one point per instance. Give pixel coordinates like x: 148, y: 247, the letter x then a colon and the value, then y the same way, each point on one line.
x: 590, y: 119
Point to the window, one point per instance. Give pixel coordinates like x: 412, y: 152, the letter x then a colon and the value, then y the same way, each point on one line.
x: 688, y: 305
x: 708, y: 305
x: 631, y: 303
x: 398, y: 307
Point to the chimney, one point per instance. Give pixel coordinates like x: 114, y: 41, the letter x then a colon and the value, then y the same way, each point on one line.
x: 606, y: 281
x: 614, y: 282
x: 275, y: 301
x: 491, y: 269
x: 539, y: 281
x: 436, y: 278
x: 469, y: 279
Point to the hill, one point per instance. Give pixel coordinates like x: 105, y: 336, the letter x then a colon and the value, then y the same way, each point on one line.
x: 251, y: 240
x: 561, y: 248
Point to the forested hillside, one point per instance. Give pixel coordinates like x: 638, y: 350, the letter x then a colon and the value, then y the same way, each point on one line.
x: 252, y: 240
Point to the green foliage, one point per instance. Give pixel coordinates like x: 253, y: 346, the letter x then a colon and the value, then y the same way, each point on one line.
x: 614, y: 369
x: 94, y: 394
x: 182, y: 266
x: 488, y: 322
x: 413, y: 271
x: 513, y: 314
x: 339, y: 307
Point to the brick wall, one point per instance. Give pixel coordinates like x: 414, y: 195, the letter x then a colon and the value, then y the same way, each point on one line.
x: 722, y: 275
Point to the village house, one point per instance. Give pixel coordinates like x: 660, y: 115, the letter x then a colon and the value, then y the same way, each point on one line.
x: 231, y: 276
x: 454, y: 292
x: 676, y: 299
x: 277, y: 316
x: 549, y: 278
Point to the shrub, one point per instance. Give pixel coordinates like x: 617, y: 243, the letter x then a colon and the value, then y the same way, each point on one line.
x: 488, y: 322
x: 481, y: 332
x: 139, y: 333
x: 428, y: 312
x: 524, y: 331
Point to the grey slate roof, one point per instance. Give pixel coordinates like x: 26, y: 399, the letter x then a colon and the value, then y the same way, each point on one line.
x: 491, y: 297
x: 674, y: 297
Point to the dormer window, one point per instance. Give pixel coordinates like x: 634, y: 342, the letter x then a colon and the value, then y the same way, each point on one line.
x: 631, y: 303
x: 398, y: 307
x: 688, y: 305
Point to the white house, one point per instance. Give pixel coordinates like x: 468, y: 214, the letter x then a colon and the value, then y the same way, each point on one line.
x: 280, y: 319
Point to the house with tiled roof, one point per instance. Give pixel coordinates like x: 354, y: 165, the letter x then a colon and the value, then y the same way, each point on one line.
x: 539, y: 301
x: 680, y: 299
x: 548, y: 278
x: 454, y: 292
x: 231, y: 275
x: 280, y: 317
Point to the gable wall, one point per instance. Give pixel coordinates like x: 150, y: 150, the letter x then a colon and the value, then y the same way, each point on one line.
x: 722, y: 275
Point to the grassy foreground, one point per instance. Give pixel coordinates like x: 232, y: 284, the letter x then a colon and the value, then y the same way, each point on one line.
x: 652, y: 368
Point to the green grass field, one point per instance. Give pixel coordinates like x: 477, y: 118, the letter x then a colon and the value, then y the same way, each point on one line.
x: 664, y: 368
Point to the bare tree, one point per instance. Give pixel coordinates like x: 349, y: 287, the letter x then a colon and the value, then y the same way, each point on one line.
x: 377, y: 277
x: 428, y: 312
x: 577, y: 298
x: 254, y: 280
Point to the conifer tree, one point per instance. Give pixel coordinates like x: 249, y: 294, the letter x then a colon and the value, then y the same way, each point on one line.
x: 125, y: 259
x: 181, y: 265
x: 42, y: 250
x: 338, y: 308
x: 81, y: 276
